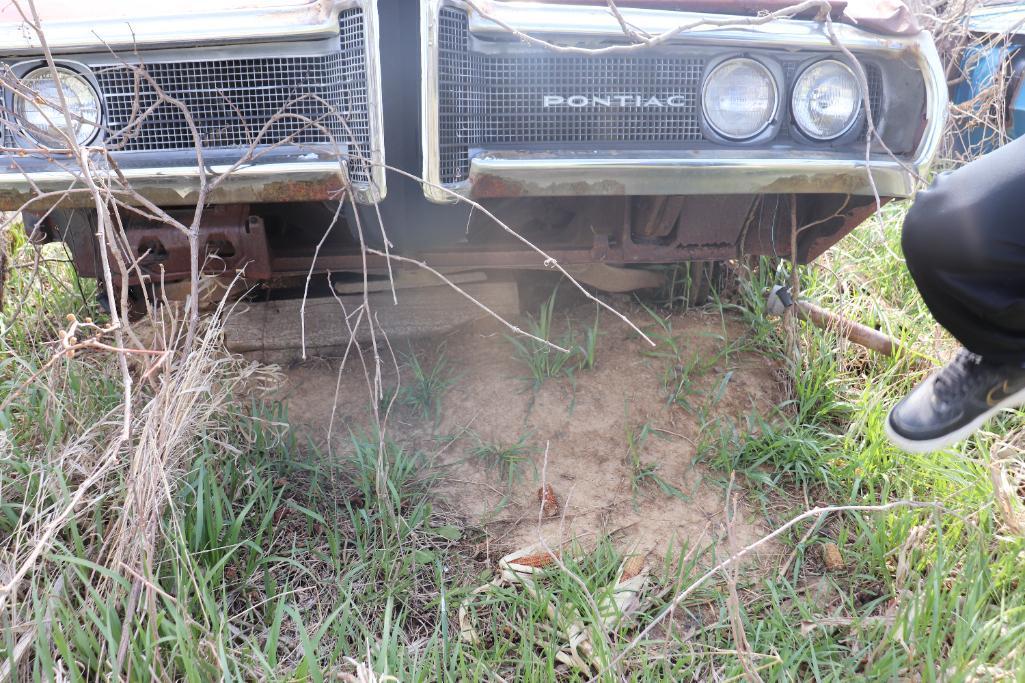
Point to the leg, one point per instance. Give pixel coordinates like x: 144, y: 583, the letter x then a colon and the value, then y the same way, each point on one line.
x: 964, y: 241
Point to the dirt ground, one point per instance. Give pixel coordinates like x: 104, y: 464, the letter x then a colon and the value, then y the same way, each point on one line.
x: 584, y: 424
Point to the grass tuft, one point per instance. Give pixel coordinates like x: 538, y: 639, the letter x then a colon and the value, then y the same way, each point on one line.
x: 428, y: 386
x: 507, y: 458
x: 542, y: 361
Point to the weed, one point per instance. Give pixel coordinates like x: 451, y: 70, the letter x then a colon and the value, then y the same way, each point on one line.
x: 372, y: 456
x: 643, y: 474
x: 680, y: 379
x: 686, y: 285
x: 542, y: 360
x: 424, y: 393
x: 588, y: 350
x: 506, y: 458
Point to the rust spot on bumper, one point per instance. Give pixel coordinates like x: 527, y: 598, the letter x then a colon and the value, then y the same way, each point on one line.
x: 486, y: 185
x: 177, y: 192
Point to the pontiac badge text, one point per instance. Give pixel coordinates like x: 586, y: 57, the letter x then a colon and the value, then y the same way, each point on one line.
x: 639, y: 101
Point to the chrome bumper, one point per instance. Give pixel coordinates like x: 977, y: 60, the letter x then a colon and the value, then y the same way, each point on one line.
x: 498, y: 175
x: 722, y: 171
x: 178, y: 185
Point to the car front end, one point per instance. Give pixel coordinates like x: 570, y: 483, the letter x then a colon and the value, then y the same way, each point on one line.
x: 442, y: 127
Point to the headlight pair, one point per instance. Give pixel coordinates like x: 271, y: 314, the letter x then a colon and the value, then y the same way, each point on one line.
x: 40, y: 111
x: 740, y: 99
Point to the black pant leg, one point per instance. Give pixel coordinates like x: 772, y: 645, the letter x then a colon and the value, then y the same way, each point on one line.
x: 964, y: 241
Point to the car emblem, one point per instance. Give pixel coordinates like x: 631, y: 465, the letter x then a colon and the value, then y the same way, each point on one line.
x: 618, y: 101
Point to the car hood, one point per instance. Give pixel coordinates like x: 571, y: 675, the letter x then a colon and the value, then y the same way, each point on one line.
x: 73, y: 25
x: 891, y: 17
x: 125, y: 10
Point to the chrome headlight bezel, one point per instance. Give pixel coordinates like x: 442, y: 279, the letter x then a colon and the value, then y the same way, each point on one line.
x: 857, y: 114
x: 773, y: 78
x: 31, y: 136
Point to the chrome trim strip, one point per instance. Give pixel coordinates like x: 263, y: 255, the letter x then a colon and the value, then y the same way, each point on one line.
x: 430, y: 131
x: 378, y: 188
x: 682, y: 176
x: 680, y: 173
x: 243, y: 184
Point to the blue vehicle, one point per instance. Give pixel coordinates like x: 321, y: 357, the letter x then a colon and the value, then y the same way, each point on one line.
x: 1000, y: 59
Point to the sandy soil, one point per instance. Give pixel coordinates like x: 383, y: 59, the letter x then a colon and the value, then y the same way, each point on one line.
x: 583, y: 424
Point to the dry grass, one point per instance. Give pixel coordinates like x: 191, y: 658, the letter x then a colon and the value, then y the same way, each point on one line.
x: 125, y: 476
x: 960, y: 50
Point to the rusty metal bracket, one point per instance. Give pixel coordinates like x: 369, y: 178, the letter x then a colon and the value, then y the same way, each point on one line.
x: 231, y: 240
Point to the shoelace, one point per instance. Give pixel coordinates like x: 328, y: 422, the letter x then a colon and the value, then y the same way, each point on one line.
x: 959, y: 376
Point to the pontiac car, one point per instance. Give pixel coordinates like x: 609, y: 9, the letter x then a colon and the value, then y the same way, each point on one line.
x: 599, y: 136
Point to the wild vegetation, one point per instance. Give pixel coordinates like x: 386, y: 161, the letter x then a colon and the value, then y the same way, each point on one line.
x: 164, y: 520
x: 272, y: 560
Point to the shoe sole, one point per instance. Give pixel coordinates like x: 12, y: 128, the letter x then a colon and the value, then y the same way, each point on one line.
x: 932, y: 445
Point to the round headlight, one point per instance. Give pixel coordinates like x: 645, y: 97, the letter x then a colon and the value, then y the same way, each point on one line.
x: 40, y: 112
x: 826, y: 100
x: 739, y: 98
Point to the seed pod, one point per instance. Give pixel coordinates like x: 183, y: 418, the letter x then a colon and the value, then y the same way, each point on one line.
x: 831, y: 557
x: 632, y: 567
x: 549, y: 501
x: 538, y: 561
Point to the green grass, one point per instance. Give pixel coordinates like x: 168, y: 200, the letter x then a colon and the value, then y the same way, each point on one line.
x: 544, y: 362
x: 685, y: 370
x: 428, y: 385
x: 507, y: 458
x: 644, y: 476
x: 275, y: 563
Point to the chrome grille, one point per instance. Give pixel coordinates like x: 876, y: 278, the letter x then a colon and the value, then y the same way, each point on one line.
x: 489, y: 100
x: 875, y: 94
x: 236, y: 103
x: 354, y: 76
x: 496, y: 100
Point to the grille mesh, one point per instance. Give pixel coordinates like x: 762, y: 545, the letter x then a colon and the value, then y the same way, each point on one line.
x: 232, y: 100
x: 494, y: 100
x: 875, y: 94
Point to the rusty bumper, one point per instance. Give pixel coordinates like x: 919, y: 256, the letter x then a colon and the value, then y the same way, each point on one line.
x: 177, y: 186
x: 708, y: 173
